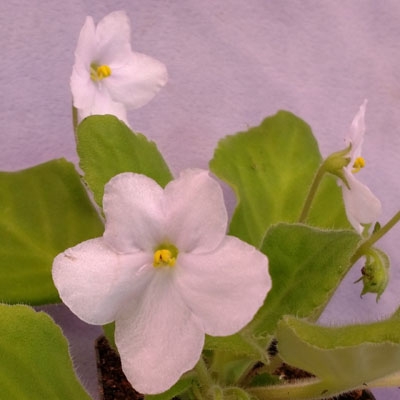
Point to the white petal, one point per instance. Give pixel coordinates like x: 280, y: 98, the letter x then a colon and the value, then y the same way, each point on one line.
x: 103, y: 104
x: 362, y: 206
x: 116, y: 56
x: 95, y: 282
x: 114, y: 28
x: 82, y: 87
x: 133, y: 208
x: 196, y: 213
x: 157, y: 336
x: 226, y: 287
x: 86, y: 48
x: 137, y: 81
x: 355, y: 137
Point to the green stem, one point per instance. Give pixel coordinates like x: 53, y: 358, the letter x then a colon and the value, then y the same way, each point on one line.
x: 75, y: 122
x: 204, y: 378
x: 312, y: 192
x: 362, y: 250
x: 197, y: 393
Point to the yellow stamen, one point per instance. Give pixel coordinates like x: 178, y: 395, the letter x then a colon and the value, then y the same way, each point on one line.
x: 358, y: 164
x: 163, y: 257
x: 99, y: 72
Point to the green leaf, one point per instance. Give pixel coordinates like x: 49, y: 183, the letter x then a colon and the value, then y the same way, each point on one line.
x: 236, y: 344
x: 306, y: 265
x: 35, y: 362
x: 343, y: 358
x: 44, y: 210
x: 107, y: 147
x: 270, y: 168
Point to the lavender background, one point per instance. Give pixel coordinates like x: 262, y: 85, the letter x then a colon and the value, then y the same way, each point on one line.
x: 231, y: 63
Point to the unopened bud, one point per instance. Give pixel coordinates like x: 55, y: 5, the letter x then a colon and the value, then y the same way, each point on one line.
x: 375, y: 273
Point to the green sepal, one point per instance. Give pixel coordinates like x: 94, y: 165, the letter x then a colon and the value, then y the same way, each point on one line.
x: 35, y: 361
x: 107, y: 147
x: 336, y: 162
x: 44, y: 210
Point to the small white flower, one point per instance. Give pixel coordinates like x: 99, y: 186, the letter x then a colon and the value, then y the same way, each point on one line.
x: 107, y: 76
x: 166, y: 272
x: 362, y: 206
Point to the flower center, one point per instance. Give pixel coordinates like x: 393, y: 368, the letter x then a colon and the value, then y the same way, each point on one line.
x: 99, y: 72
x: 358, y: 164
x: 165, y: 255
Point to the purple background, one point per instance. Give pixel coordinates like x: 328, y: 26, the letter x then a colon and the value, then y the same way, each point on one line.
x: 231, y: 63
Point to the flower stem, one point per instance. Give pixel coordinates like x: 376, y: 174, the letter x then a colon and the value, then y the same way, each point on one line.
x: 196, y: 392
x: 75, y: 122
x: 204, y: 378
x: 312, y: 192
x: 375, y: 237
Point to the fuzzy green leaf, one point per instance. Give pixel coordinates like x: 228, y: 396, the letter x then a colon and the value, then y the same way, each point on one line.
x: 107, y: 147
x: 343, y: 358
x: 35, y: 362
x: 236, y: 344
x: 270, y: 168
x: 44, y: 210
x: 306, y: 265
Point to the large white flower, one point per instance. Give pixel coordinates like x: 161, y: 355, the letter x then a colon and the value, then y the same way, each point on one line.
x: 107, y: 76
x: 166, y: 272
x: 362, y: 206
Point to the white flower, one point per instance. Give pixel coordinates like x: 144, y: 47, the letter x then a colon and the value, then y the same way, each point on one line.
x: 107, y: 76
x: 362, y: 206
x: 166, y: 272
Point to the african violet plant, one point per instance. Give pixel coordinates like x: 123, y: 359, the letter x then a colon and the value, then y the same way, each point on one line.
x: 203, y: 309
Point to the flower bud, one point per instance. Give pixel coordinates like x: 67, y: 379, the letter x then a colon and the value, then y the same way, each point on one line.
x: 375, y: 273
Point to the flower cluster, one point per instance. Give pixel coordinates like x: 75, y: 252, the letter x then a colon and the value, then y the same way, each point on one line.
x: 165, y: 269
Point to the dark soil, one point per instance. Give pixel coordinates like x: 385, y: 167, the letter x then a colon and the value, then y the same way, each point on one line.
x: 112, y: 381
x: 114, y: 385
